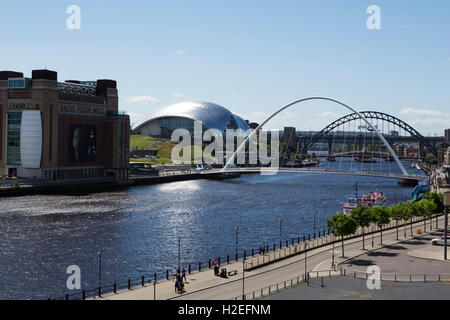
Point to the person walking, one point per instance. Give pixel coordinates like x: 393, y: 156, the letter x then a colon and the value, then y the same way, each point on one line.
x: 180, y: 284
x: 174, y: 275
x: 177, y: 287
x: 183, y: 274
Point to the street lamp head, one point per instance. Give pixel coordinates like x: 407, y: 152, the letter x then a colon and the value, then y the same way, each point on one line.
x: 99, y: 253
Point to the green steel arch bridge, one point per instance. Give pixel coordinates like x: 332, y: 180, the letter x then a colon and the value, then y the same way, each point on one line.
x: 326, y: 133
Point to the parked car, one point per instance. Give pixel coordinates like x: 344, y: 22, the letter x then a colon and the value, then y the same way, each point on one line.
x: 440, y: 241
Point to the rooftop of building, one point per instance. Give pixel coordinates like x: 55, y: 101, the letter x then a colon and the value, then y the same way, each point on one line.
x: 90, y: 88
x: 213, y: 116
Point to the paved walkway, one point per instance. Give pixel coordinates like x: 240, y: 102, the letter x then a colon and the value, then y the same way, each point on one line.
x: 430, y: 252
x: 205, y: 286
x: 395, y: 258
x: 347, y: 288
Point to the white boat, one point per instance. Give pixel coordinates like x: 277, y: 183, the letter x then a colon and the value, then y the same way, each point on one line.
x: 349, y: 205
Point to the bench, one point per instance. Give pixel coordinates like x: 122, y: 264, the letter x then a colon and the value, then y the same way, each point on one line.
x: 232, y: 273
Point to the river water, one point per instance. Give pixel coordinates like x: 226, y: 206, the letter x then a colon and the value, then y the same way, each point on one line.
x: 137, y: 228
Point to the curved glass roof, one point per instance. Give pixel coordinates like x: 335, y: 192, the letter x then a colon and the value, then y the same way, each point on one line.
x: 213, y: 116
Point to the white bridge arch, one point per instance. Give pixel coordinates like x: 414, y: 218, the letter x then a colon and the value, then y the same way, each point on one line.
x: 380, y: 136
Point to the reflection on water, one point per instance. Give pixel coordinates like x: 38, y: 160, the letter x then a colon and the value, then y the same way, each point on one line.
x: 137, y: 228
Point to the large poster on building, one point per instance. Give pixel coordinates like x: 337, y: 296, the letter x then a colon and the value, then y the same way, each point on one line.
x: 82, y: 143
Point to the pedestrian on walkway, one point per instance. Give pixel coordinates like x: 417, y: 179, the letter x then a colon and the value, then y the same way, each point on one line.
x: 177, y: 286
x: 181, y: 287
x: 174, y: 275
x: 183, y: 274
x: 180, y: 284
x: 216, y: 270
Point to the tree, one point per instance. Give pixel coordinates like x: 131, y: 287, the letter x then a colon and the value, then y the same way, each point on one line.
x: 363, y: 218
x: 429, y: 208
x: 396, y: 213
x: 382, y: 217
x: 438, y: 199
x: 403, y: 208
x: 420, y: 213
x: 342, y: 225
x: 413, y: 211
x: 431, y: 159
x: 371, y: 216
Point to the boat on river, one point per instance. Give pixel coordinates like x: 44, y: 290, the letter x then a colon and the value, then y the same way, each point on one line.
x: 369, y: 200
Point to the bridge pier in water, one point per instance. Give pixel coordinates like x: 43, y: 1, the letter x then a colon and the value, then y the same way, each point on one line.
x: 330, y: 157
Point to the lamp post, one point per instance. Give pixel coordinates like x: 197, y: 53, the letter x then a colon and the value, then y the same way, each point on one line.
x: 99, y: 269
x: 243, y: 277
x: 154, y: 287
x: 315, y: 214
x: 237, y: 232
x: 446, y: 205
x: 332, y: 255
x: 179, y: 254
x: 306, y: 274
x: 372, y: 235
x: 281, y: 221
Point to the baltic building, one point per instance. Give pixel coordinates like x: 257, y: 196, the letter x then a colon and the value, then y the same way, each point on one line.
x: 61, y: 130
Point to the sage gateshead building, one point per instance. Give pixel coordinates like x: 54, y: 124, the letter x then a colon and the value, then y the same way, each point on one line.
x: 182, y: 116
x: 61, y: 130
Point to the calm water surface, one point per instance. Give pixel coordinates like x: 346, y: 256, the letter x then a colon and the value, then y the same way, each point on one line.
x: 137, y: 228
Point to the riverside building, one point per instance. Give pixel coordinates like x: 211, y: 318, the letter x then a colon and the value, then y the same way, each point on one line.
x: 61, y: 130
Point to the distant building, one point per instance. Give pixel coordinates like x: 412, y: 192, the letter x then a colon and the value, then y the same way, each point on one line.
x: 409, y: 150
x: 393, y: 133
x: 447, y: 136
x: 447, y: 157
x: 442, y: 152
x: 58, y: 130
x: 289, y: 137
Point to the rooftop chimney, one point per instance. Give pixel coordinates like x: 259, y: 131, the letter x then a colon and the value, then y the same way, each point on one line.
x: 4, y: 75
x: 44, y: 75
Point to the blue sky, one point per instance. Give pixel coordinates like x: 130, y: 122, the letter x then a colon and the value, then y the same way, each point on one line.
x: 249, y: 56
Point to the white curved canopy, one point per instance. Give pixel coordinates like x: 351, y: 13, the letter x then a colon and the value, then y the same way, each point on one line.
x: 213, y: 116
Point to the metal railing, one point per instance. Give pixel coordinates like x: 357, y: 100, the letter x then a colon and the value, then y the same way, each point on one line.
x: 357, y: 274
x: 149, y: 279
x: 254, y: 259
x: 301, y: 279
x: 398, y: 277
x: 310, y: 243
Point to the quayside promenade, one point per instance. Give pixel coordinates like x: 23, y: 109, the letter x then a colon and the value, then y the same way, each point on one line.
x: 288, y: 266
x: 32, y: 186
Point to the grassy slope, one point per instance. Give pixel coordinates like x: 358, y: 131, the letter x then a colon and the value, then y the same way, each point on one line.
x: 164, y: 148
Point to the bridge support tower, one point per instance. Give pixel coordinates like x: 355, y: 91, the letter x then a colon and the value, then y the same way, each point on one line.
x: 330, y: 157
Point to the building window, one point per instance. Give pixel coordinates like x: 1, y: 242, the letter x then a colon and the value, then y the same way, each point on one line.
x: 16, y: 83
x: 13, y: 141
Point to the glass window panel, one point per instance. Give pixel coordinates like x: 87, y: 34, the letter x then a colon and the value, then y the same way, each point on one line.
x: 13, y: 141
